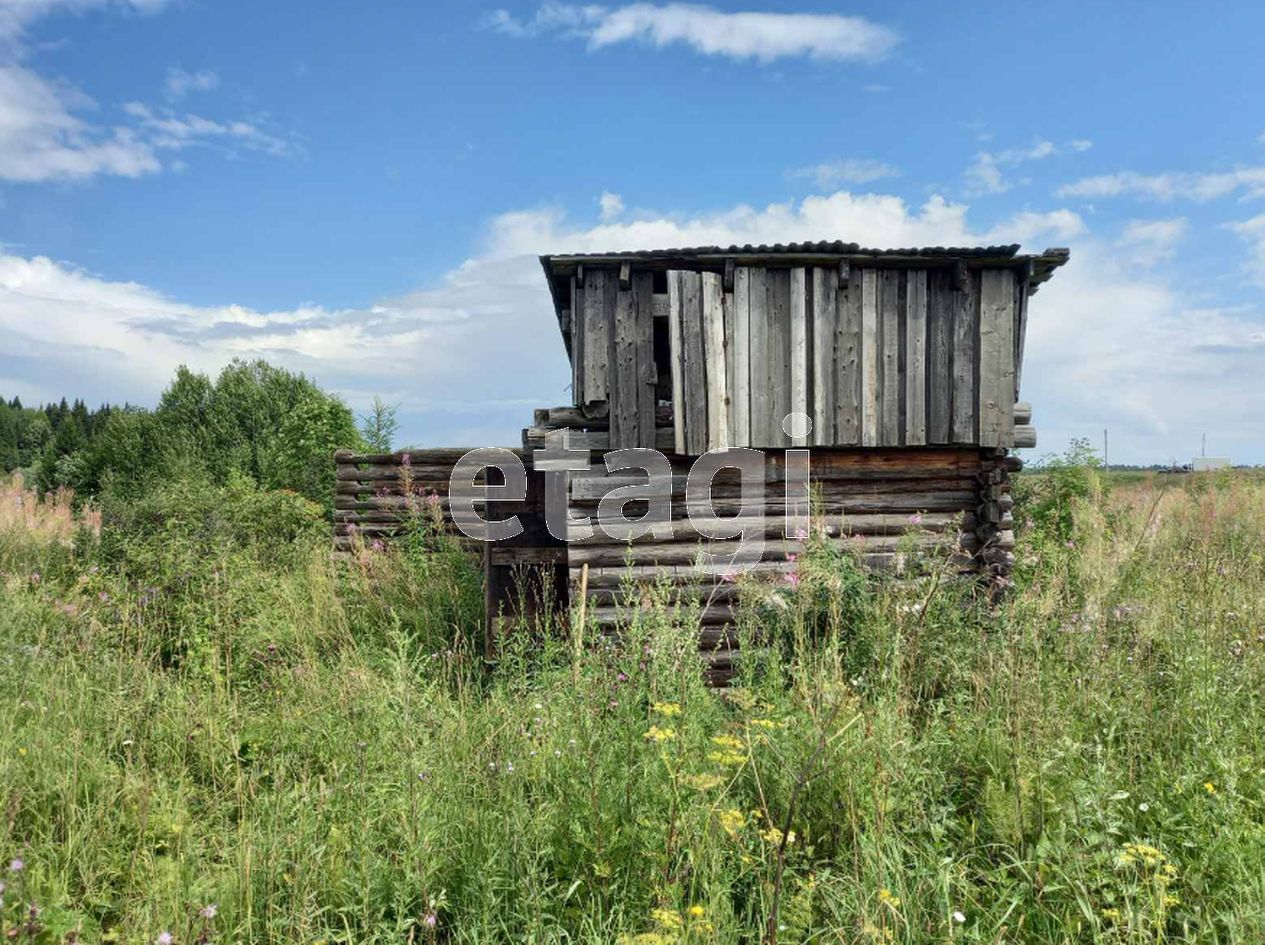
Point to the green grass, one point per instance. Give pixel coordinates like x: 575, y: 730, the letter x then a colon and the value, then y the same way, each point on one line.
x: 198, y: 708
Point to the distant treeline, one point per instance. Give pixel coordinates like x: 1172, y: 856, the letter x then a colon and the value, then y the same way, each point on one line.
x: 273, y: 427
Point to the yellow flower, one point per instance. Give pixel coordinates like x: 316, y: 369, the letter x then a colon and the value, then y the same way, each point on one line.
x: 703, y: 782
x: 731, y: 821
x: 697, y: 911
x: 656, y: 734
x: 885, y: 896
x: 731, y: 758
x: 1210, y: 787
x: 667, y: 918
x: 773, y: 836
x: 1112, y: 914
x: 22, y: 752
x: 666, y: 709
x: 766, y: 723
x: 727, y: 741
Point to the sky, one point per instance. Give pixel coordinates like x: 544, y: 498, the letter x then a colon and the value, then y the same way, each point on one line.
x: 360, y: 191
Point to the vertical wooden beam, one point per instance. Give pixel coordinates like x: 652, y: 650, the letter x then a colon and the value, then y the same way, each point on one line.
x: 891, y: 383
x: 577, y: 341
x: 799, y: 346
x: 677, y: 345
x: 1021, y: 330
x: 778, y: 397
x: 939, y: 355
x: 964, y: 428
x: 996, y: 357
x: 916, y: 357
x: 825, y: 298
x: 713, y: 331
x: 848, y: 354
x: 695, y: 363
x: 758, y: 320
x: 870, y: 421
x: 647, y: 369
x: 740, y: 355
x: 625, y: 383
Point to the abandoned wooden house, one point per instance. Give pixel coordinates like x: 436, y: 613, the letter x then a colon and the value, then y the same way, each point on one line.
x: 900, y: 368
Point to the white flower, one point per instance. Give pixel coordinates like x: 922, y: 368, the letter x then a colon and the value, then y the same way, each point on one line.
x: 1144, y: 807
x: 958, y: 917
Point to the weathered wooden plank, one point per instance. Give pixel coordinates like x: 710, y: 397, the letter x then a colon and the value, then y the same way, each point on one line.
x: 647, y: 370
x: 963, y: 421
x: 939, y: 391
x: 677, y: 347
x: 624, y: 376
x: 778, y: 367
x: 799, y: 346
x: 870, y: 362
x: 1021, y: 328
x: 848, y: 350
x: 891, y: 384
x: 713, y: 334
x: 599, y: 305
x: 695, y: 363
x: 916, y: 357
x: 996, y: 357
x: 577, y: 342
x: 740, y: 356
x: 758, y: 321
x: 824, y: 296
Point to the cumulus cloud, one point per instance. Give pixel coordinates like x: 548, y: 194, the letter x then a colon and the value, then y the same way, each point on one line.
x: 986, y: 175
x: 845, y: 171
x: 761, y: 36
x: 1148, y: 242
x: 612, y: 205
x: 180, y: 83
x: 1172, y: 185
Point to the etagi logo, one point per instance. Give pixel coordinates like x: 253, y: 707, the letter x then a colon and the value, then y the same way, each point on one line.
x: 557, y: 461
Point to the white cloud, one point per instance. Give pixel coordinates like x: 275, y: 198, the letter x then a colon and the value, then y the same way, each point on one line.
x: 1172, y: 185
x: 846, y: 171
x: 1253, y: 233
x: 180, y: 83
x: 1148, y: 242
x: 612, y: 205
x: 17, y: 15
x: 170, y: 131
x: 987, y: 174
x: 764, y: 37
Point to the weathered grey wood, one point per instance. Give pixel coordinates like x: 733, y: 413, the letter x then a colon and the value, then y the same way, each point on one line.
x: 824, y: 295
x: 778, y: 394
x: 891, y: 382
x: 799, y: 346
x: 870, y: 362
x: 695, y: 363
x: 677, y: 346
x: 848, y: 353
x: 599, y: 304
x: 1025, y: 437
x: 625, y: 379
x: 713, y: 332
x: 758, y: 320
x: 1021, y: 328
x: 939, y: 355
x: 1023, y: 413
x: 577, y: 342
x: 916, y: 357
x: 647, y: 369
x: 996, y: 357
x: 740, y: 357
x: 965, y: 362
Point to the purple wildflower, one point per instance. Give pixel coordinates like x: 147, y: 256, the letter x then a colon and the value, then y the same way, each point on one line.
x: 915, y: 519
x: 16, y: 865
x: 430, y: 920
x: 164, y: 938
x: 209, y: 911
x: 791, y: 578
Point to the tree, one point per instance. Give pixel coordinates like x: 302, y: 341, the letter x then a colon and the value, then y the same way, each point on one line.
x: 379, y: 425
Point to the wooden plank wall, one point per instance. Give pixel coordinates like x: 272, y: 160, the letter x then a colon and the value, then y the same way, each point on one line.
x: 874, y: 357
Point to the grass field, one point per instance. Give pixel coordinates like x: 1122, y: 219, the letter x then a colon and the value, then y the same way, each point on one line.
x: 210, y: 733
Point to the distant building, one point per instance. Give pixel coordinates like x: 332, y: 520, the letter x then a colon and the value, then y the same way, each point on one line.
x: 1205, y: 463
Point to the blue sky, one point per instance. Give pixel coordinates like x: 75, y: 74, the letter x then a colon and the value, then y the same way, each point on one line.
x: 359, y: 190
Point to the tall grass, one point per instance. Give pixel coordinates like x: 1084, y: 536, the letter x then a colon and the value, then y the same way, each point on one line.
x: 211, y: 732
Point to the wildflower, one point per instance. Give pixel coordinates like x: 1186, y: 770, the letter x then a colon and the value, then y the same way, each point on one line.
x: 731, y: 821
x: 430, y: 920
x: 727, y: 741
x: 1210, y: 787
x: 666, y: 709
x: 209, y: 911
x: 656, y: 734
x: 791, y: 578
x: 800, y: 534
x: 886, y: 898
x: 729, y: 576
x: 16, y: 865
x: 731, y: 758
x: 433, y: 500
x: 667, y: 918
x: 792, y: 558
x: 766, y: 723
x: 696, y: 911
x: 1112, y: 914
x: 958, y: 917
x: 702, y: 782
x: 915, y: 519
x: 164, y: 938
x: 773, y: 836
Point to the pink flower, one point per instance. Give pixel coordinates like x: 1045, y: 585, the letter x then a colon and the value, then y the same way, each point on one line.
x: 791, y: 578
x: 729, y: 576
x: 17, y: 865
x: 915, y: 519
x: 164, y: 938
x: 433, y: 500
x: 800, y: 534
x: 792, y: 558
x: 406, y: 459
x: 430, y: 920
